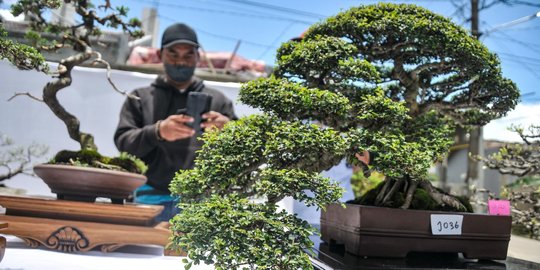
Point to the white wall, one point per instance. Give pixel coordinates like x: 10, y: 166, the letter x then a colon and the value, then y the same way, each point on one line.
x: 90, y: 97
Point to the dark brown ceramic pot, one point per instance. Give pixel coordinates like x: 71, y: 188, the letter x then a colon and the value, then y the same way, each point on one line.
x: 388, y: 232
x: 86, y: 184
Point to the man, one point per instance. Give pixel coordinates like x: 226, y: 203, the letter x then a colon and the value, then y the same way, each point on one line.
x: 150, y: 127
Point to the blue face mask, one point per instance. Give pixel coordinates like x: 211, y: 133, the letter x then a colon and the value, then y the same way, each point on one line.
x: 179, y: 73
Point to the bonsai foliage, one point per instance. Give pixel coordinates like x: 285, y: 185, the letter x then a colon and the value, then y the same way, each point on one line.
x: 268, y: 158
x: 390, y: 79
x: 91, y: 158
x: 443, y: 75
x: 22, y: 56
x: 76, y: 37
x: 519, y: 159
x: 522, y: 160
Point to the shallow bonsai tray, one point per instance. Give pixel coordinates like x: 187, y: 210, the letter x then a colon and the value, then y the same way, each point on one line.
x: 389, y: 232
x: 86, y: 183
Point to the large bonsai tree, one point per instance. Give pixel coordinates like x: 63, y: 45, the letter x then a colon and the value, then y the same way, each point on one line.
x: 78, y: 39
x: 390, y: 79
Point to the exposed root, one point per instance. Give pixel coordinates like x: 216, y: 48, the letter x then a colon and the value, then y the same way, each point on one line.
x: 402, y: 193
x: 393, y: 190
x: 106, y: 166
x: 442, y: 198
x: 410, y: 193
x: 382, y: 192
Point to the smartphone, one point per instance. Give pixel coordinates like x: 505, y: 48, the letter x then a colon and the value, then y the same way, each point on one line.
x: 198, y: 103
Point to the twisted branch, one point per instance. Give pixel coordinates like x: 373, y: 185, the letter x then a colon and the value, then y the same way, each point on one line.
x: 109, y: 71
x: 25, y: 94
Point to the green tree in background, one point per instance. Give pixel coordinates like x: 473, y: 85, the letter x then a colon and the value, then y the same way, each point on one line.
x: 522, y: 160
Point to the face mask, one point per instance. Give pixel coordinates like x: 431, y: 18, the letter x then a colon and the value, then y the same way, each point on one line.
x: 179, y: 73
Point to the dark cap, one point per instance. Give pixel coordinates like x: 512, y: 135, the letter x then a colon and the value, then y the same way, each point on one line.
x: 179, y: 33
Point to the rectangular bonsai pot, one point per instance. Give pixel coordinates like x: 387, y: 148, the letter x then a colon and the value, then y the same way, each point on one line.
x: 389, y: 232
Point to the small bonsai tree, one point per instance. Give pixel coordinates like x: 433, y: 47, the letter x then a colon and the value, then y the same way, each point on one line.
x: 390, y: 79
x: 16, y: 159
x: 522, y: 160
x: 519, y: 159
x: 78, y: 38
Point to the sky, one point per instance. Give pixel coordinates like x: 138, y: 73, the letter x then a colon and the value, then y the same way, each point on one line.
x: 261, y: 26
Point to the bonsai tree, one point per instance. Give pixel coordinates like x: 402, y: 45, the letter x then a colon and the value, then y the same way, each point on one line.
x: 519, y: 159
x: 15, y: 159
x: 78, y: 38
x: 522, y: 160
x: 393, y: 80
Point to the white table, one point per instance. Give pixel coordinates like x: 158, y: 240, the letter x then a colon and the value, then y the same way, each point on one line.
x: 19, y: 256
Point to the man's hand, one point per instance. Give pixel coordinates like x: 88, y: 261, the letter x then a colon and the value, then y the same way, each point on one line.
x: 214, y: 120
x: 173, y: 128
x: 363, y: 157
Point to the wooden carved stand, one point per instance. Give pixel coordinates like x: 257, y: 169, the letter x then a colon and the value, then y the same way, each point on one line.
x: 71, y: 226
x: 2, y: 241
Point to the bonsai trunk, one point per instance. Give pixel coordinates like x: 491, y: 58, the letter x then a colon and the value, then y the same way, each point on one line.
x: 410, y: 81
x: 49, y: 97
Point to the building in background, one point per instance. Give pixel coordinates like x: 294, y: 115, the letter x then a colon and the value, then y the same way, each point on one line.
x: 124, y: 53
x: 452, y: 174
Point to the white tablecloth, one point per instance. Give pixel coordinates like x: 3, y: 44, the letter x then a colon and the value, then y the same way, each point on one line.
x: 19, y: 256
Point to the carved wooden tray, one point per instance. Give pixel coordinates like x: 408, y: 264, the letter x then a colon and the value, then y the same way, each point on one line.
x: 71, y: 226
x: 128, y: 214
x: 74, y: 236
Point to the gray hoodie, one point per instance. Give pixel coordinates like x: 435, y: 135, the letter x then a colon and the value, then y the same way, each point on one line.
x: 136, y: 135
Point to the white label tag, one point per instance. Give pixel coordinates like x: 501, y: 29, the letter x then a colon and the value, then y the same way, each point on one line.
x: 446, y: 224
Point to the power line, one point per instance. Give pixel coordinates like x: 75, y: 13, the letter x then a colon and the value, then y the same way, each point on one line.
x: 276, y: 40
x: 512, y: 23
x: 267, y: 47
x: 506, y: 36
x: 531, y: 46
x: 231, y: 13
x: 222, y: 36
x: 278, y: 8
x: 519, y: 61
x: 518, y: 2
x: 233, y: 6
x: 377, y: 1
x: 524, y: 28
x: 460, y: 10
x: 524, y: 65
